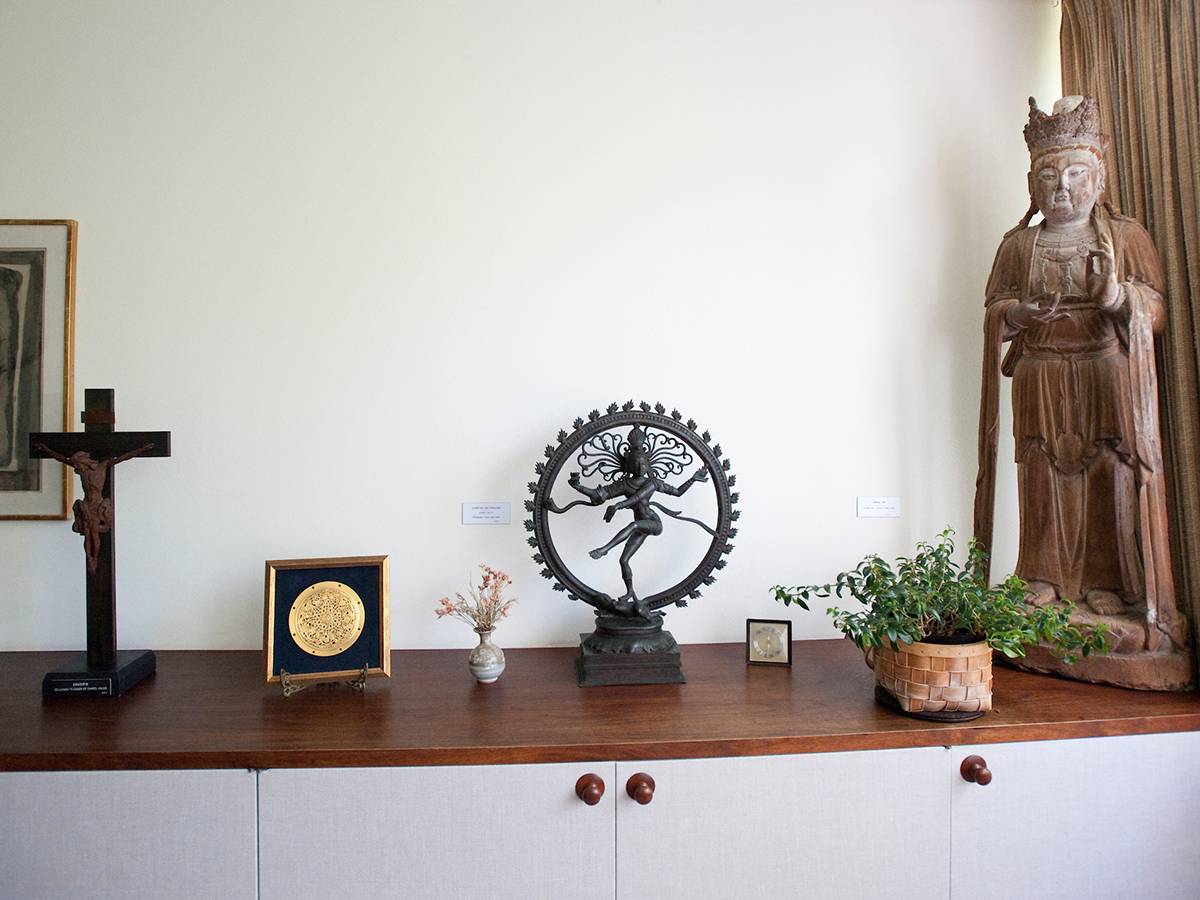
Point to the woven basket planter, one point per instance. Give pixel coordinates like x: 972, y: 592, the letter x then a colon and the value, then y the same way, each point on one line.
x: 943, y: 682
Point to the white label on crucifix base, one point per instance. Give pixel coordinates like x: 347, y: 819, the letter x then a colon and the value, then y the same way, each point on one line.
x: 496, y: 512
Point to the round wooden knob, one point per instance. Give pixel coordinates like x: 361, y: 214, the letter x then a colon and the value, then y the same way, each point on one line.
x: 589, y: 788
x: 640, y: 787
x: 974, y: 769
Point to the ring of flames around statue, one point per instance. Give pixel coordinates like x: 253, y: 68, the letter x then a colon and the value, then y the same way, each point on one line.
x: 630, y: 455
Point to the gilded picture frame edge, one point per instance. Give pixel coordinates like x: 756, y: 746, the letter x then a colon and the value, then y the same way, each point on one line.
x: 385, y: 655
x: 68, y: 485
x: 385, y: 622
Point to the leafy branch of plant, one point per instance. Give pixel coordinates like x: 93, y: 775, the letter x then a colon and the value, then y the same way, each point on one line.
x: 931, y: 595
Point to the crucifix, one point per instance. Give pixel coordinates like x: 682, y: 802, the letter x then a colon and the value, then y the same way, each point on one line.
x: 94, y: 453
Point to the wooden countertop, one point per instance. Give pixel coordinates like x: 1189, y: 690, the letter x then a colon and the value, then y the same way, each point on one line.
x: 212, y: 709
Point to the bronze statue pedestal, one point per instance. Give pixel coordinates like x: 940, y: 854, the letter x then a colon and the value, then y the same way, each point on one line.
x: 628, y: 650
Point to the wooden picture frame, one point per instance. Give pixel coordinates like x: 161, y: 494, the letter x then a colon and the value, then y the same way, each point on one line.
x: 326, y: 619
x: 769, y: 642
x: 37, y: 361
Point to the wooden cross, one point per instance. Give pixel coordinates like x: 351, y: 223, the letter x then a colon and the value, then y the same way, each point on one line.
x: 93, y: 454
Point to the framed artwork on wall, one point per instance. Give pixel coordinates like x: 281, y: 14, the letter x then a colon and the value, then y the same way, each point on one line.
x: 326, y: 619
x: 769, y: 642
x: 37, y: 324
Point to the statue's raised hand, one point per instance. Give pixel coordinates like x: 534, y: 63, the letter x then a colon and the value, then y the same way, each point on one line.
x: 701, y: 474
x: 573, y: 479
x: 1102, y: 276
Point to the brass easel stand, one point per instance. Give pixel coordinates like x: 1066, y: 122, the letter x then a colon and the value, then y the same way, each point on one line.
x: 294, y: 686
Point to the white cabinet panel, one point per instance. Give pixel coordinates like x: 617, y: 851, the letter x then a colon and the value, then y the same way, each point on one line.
x: 435, y: 832
x: 840, y: 825
x: 128, y: 834
x: 1093, y: 818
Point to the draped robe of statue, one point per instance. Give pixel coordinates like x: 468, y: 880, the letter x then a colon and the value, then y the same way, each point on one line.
x: 1091, y: 486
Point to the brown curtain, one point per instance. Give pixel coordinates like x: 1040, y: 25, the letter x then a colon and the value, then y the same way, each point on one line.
x: 1140, y: 60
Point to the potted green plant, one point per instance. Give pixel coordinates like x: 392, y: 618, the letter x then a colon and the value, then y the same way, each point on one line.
x: 929, y: 625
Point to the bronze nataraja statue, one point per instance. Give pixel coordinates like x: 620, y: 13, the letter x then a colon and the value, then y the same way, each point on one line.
x: 634, y: 452
x: 638, y: 484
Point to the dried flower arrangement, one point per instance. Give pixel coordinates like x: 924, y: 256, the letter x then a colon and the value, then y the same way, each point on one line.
x: 484, y: 606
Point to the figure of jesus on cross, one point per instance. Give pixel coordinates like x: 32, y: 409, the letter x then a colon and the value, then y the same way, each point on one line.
x: 93, y: 454
x: 93, y: 514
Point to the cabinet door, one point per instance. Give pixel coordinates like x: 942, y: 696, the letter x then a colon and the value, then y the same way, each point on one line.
x: 1090, y: 818
x: 128, y: 834
x: 870, y: 824
x: 452, y: 831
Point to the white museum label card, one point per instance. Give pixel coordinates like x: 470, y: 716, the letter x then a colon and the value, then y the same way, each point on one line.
x: 879, y: 507
x: 495, y: 512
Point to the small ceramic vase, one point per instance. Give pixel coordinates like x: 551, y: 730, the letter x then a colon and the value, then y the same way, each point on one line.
x: 486, y: 661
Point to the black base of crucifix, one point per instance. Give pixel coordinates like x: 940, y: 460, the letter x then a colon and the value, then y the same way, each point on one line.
x: 628, y: 650
x: 77, y: 679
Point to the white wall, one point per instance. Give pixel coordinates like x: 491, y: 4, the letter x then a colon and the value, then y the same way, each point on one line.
x: 365, y: 259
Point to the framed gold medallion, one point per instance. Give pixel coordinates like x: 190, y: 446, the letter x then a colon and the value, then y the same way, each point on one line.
x: 769, y: 642
x: 326, y: 619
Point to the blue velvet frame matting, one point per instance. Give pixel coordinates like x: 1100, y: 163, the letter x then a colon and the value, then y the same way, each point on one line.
x: 366, y: 581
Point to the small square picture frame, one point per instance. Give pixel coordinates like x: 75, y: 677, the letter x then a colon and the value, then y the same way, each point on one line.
x: 768, y: 642
x: 315, y: 606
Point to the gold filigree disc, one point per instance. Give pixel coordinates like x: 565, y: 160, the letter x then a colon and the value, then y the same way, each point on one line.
x: 326, y: 618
